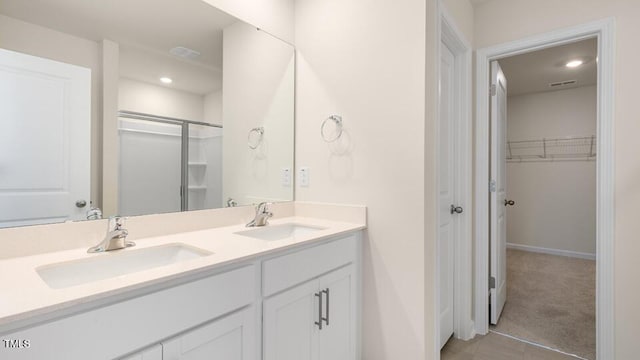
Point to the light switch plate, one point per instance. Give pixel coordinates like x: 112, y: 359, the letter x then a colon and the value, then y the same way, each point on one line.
x: 286, y: 176
x: 303, y: 176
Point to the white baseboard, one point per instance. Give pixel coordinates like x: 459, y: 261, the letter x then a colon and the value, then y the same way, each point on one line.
x: 542, y: 250
x: 472, y: 331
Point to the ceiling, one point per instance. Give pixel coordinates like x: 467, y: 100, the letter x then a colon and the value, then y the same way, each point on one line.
x: 533, y: 72
x: 149, y: 66
x: 141, y: 26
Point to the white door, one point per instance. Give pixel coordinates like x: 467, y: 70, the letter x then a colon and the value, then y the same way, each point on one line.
x: 45, y: 122
x: 229, y: 338
x: 153, y: 353
x: 337, y: 337
x: 498, y: 241
x: 289, y: 324
x: 446, y: 217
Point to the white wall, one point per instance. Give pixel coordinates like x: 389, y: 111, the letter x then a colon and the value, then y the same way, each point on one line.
x: 109, y: 130
x: 552, y: 114
x: 555, y: 201
x: 159, y: 100
x: 500, y: 21
x: 461, y: 11
x: 365, y: 61
x: 213, y: 108
x: 39, y: 41
x: 274, y: 16
x: 258, y: 91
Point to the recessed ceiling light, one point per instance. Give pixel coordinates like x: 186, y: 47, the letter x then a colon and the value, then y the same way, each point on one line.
x: 166, y: 80
x: 574, y: 63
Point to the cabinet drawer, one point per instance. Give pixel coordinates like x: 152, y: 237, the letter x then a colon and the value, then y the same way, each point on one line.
x: 288, y: 270
x: 132, y: 324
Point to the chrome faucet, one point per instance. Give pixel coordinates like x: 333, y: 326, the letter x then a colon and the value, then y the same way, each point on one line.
x: 262, y: 215
x: 94, y: 214
x: 116, y: 237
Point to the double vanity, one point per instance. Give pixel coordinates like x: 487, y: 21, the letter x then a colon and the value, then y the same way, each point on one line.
x: 123, y: 119
x: 286, y: 290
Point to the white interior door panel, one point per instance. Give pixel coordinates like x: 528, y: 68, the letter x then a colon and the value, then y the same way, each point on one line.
x: 45, y: 123
x: 498, y: 232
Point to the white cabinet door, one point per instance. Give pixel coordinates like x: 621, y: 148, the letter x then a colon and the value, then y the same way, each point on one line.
x: 313, y: 321
x: 337, y: 339
x: 152, y: 353
x: 229, y: 338
x: 289, y: 324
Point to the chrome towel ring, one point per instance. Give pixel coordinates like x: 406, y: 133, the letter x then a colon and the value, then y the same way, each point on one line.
x: 337, y: 119
x: 254, y: 138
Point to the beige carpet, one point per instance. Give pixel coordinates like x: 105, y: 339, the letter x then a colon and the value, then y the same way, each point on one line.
x: 551, y: 301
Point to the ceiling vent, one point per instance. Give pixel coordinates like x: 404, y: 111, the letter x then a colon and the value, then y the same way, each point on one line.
x: 184, y: 52
x: 561, y: 84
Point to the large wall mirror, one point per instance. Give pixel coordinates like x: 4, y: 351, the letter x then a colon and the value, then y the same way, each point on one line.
x: 139, y: 107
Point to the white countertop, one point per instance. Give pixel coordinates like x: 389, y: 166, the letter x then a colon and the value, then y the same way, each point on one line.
x: 25, y: 295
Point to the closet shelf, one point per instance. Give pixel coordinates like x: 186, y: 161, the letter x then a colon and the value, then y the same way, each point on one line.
x: 195, y: 188
x: 197, y: 163
x: 566, y: 148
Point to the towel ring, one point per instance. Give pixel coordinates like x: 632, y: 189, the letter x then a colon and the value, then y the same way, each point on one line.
x: 338, y: 120
x: 259, y: 131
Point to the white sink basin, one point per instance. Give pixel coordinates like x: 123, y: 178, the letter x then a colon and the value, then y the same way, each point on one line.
x: 278, y: 232
x: 116, y: 263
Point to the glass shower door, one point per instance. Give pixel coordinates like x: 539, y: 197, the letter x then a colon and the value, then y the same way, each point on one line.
x: 150, y: 167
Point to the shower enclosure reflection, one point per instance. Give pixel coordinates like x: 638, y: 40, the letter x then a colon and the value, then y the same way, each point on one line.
x: 159, y: 155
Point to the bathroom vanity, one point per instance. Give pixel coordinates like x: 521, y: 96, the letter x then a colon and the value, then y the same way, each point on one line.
x: 288, y: 290
x: 117, y: 136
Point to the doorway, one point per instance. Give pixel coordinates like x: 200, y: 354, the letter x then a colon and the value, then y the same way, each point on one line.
x: 454, y: 154
x: 491, y: 261
x: 544, y: 249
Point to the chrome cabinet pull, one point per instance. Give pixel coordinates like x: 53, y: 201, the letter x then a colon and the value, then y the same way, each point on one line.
x: 509, y: 202
x: 320, y: 318
x: 456, y: 209
x: 326, y: 318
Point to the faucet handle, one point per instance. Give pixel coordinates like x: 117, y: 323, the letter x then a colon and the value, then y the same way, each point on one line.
x: 263, y: 208
x: 116, y: 222
x: 94, y: 214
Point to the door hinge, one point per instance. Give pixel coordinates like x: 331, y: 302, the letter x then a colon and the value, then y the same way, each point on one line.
x: 493, y: 90
x: 492, y: 186
x: 492, y: 282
